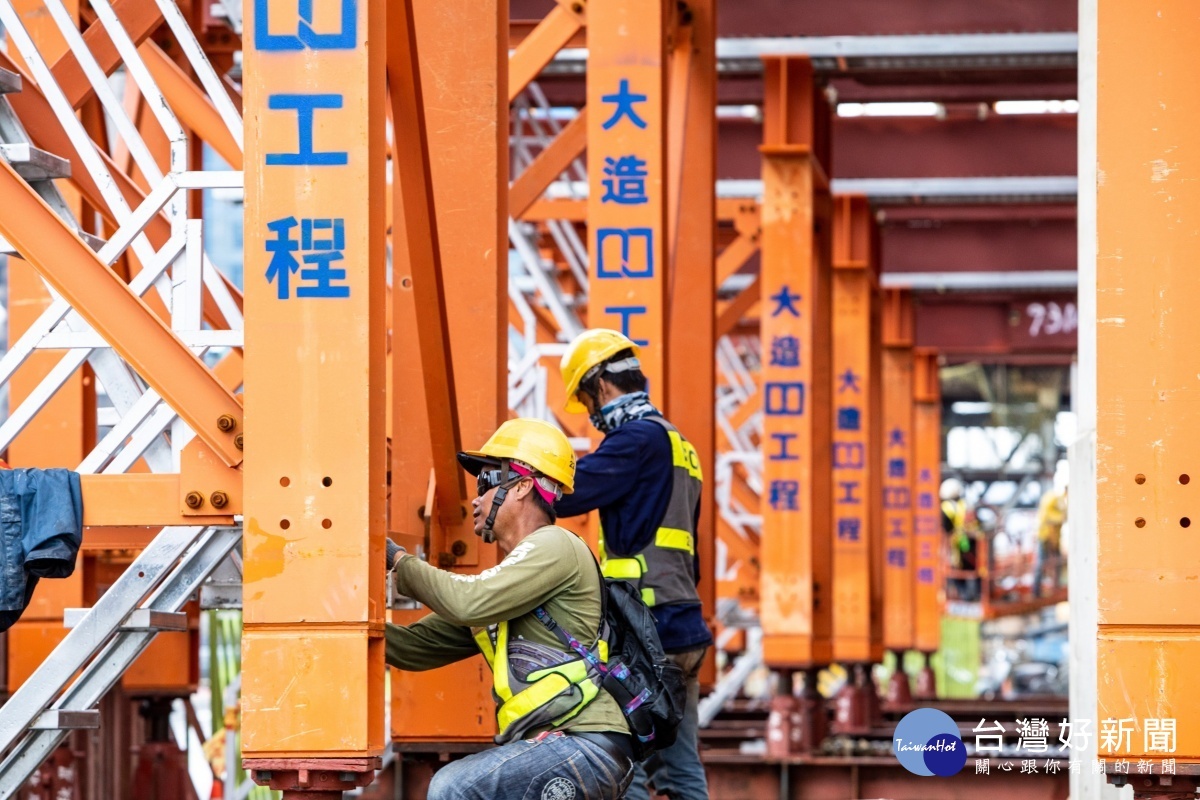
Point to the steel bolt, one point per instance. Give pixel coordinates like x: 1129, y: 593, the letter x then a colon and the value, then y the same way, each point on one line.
x: 237, y: 441
x: 459, y: 548
x: 226, y: 423
x: 194, y: 500
x: 577, y: 8
x: 218, y: 499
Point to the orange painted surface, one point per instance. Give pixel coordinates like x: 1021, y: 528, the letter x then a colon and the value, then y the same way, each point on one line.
x: 314, y: 484
x: 1148, y: 410
x: 897, y: 461
x: 626, y: 161
x: 856, y: 466
x: 796, y: 551
x: 929, y: 552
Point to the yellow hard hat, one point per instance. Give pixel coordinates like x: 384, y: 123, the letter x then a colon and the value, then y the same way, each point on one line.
x: 531, y: 441
x: 586, y: 351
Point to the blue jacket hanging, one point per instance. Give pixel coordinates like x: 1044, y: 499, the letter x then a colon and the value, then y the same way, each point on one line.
x: 41, y: 528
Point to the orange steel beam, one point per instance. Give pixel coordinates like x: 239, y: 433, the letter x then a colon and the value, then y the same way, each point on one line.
x: 314, y: 579
x: 691, y: 386
x: 731, y: 313
x: 418, y: 269
x: 464, y: 89
x: 138, y: 17
x: 896, y: 463
x: 101, y: 298
x: 929, y: 559
x: 549, y: 164
x: 538, y: 48
x: 855, y: 450
x: 1147, y: 420
x: 144, y: 500
x: 191, y: 104
x: 627, y: 202
x: 519, y: 30
x: 796, y: 606
x: 735, y: 255
x: 541, y: 210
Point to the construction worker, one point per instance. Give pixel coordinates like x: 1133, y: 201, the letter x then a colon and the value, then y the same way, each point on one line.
x: 561, y: 734
x: 963, y: 546
x: 645, y: 480
x: 1052, y: 513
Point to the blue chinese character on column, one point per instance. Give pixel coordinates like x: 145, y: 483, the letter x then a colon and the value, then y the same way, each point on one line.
x: 848, y: 381
x: 895, y: 438
x: 281, y: 248
x: 925, y: 525
x: 305, y: 36
x: 623, y: 99
x: 848, y: 419
x: 849, y: 494
x: 785, y: 351
x: 305, y: 105
x: 897, y: 527
x: 896, y: 497
x: 785, y: 495
x: 848, y: 455
x: 925, y: 575
x: 629, y: 266
x: 897, y: 467
x: 925, y: 475
x: 925, y: 500
x: 848, y: 530
x: 323, y: 253
x: 785, y: 301
x: 626, y: 312
x: 782, y: 454
x: 626, y: 181
x: 896, y: 557
x: 783, y: 399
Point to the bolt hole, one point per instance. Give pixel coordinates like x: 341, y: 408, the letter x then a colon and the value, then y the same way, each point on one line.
x: 285, y: 524
x: 406, y: 283
x: 327, y: 481
x: 141, y: 574
x: 1140, y: 522
x: 1139, y: 478
x: 1184, y: 478
x: 326, y: 524
x: 285, y: 481
x: 1184, y: 522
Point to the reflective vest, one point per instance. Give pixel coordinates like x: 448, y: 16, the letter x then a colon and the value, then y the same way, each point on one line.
x: 535, y: 685
x: 665, y: 571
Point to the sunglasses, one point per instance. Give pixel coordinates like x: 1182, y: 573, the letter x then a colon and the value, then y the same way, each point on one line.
x: 489, y: 479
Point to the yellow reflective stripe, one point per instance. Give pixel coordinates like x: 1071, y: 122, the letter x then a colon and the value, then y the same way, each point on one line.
x: 484, y: 641
x: 648, y: 597
x: 530, y: 699
x: 684, y: 455
x: 602, y: 651
x: 590, y: 690
x: 500, y: 666
x: 627, y: 569
x: 675, y: 539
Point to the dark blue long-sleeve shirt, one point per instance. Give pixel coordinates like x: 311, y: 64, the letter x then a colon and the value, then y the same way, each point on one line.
x: 629, y: 478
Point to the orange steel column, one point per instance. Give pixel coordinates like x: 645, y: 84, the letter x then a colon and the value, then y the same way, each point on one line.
x: 312, y: 686
x: 896, y: 463
x: 691, y: 384
x: 928, y: 551
x: 465, y: 103
x: 796, y: 598
x: 855, y: 465
x: 626, y: 160
x: 1148, y: 411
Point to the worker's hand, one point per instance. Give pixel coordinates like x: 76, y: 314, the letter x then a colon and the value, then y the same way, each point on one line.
x: 393, y: 553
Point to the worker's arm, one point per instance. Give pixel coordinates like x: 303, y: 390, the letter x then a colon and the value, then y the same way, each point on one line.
x: 604, y: 477
x: 532, y: 573
x: 428, y: 643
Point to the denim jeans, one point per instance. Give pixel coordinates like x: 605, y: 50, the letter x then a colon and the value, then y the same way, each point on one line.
x: 677, y: 772
x: 555, y: 767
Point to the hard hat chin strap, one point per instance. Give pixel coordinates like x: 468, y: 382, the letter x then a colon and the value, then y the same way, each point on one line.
x: 488, y: 533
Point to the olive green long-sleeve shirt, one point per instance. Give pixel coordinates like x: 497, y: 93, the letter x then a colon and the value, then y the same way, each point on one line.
x: 551, y: 567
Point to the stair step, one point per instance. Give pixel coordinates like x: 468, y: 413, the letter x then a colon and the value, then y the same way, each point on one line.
x: 60, y: 719
x: 92, y: 241
x: 9, y: 82
x: 34, y: 164
x: 142, y: 619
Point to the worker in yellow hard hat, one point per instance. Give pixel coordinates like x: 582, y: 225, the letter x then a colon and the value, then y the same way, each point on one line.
x: 561, y: 733
x: 645, y: 480
x: 1051, y: 516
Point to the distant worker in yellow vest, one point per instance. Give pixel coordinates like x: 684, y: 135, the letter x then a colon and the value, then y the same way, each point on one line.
x: 561, y: 734
x: 1052, y: 514
x: 963, y: 546
x: 645, y: 479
